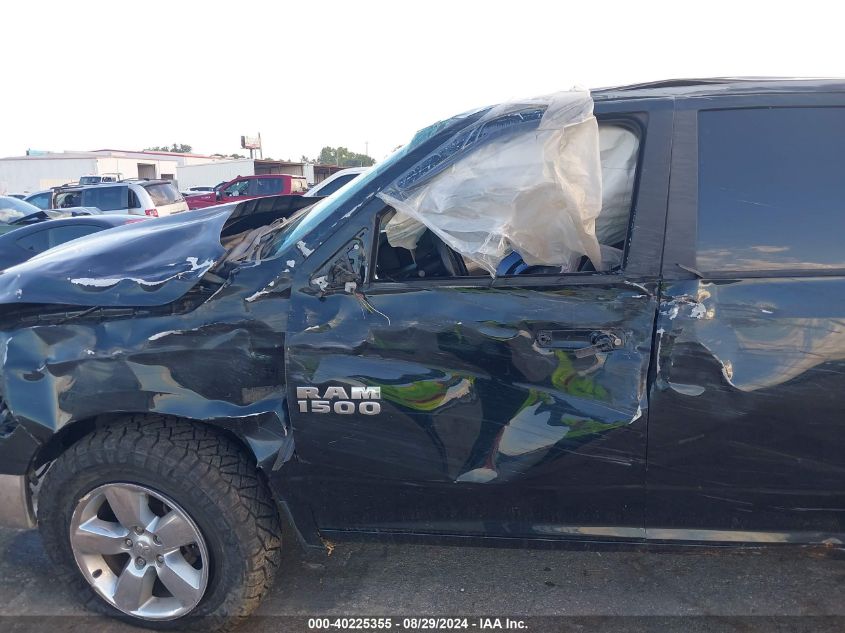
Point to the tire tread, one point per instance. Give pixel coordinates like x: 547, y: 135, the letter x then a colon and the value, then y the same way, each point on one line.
x: 203, y: 456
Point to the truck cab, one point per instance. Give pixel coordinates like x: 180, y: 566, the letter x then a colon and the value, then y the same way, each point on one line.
x: 247, y: 187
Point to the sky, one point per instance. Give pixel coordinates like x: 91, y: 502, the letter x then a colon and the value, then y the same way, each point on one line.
x: 363, y: 74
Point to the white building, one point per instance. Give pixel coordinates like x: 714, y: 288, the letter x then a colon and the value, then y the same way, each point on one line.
x: 27, y: 174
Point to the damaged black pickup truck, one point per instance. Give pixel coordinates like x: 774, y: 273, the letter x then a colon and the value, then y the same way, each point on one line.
x: 615, y: 315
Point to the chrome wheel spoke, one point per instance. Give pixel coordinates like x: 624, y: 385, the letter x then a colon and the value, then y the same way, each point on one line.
x: 130, y: 506
x: 134, y: 588
x: 180, y: 579
x: 96, y: 536
x: 174, y: 531
x: 137, y: 548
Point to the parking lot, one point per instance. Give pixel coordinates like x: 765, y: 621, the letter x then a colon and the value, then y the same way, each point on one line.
x: 681, y: 590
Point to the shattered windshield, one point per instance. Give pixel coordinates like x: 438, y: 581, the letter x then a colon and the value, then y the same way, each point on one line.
x: 302, y: 225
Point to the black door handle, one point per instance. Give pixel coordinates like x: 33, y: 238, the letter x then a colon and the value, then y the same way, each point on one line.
x: 603, y: 342
x: 582, y: 343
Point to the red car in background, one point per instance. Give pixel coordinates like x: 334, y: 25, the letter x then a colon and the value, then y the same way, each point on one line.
x: 246, y: 187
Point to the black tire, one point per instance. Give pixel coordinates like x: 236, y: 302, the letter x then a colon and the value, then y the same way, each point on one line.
x: 209, y: 476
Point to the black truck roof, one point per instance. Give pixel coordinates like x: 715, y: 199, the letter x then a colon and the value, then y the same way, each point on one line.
x: 717, y: 86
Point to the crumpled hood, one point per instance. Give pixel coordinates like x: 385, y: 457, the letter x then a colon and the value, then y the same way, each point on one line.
x: 147, y: 263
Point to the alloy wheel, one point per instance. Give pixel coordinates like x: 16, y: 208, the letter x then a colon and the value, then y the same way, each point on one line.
x: 140, y: 551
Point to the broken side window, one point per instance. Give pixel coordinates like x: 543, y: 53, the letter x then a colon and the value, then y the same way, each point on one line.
x: 447, y: 233
x: 426, y: 256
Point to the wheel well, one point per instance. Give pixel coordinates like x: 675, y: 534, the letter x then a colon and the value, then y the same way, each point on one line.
x: 62, y: 440
x: 302, y: 522
x: 72, y: 433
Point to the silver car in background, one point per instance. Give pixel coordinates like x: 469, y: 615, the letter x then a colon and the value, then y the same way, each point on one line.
x: 155, y: 198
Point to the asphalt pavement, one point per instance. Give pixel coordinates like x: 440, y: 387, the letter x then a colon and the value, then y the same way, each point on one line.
x: 693, y: 589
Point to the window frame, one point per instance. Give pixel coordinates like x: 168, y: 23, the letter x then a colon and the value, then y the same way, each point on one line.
x: 681, y: 248
x: 638, y: 121
x: 301, y: 185
x: 373, y: 260
x: 237, y: 181
x: 155, y: 186
x: 99, y: 189
x: 47, y: 195
x: 254, y: 184
x: 49, y: 230
x: 134, y: 201
x: 29, y: 236
x: 77, y: 225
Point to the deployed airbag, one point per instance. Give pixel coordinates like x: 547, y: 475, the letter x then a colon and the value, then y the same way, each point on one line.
x: 619, y: 147
x: 525, y: 177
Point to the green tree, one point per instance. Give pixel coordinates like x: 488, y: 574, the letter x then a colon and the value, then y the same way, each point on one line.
x: 344, y: 157
x: 176, y: 148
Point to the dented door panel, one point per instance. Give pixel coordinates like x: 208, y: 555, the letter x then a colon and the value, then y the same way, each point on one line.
x: 746, y: 428
x: 504, y: 410
x: 484, y: 426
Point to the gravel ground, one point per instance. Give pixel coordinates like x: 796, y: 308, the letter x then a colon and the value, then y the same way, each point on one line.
x: 693, y: 589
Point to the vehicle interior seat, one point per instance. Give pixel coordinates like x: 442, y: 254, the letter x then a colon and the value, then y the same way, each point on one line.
x: 431, y: 258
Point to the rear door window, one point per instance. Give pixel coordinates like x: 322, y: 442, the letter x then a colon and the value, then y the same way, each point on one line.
x: 106, y: 198
x: 264, y: 187
x: 771, y: 191
x: 67, y: 199
x: 163, y: 193
x: 48, y: 238
x: 41, y: 200
x: 34, y: 242
x: 299, y: 185
x: 134, y: 203
x: 62, y: 234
